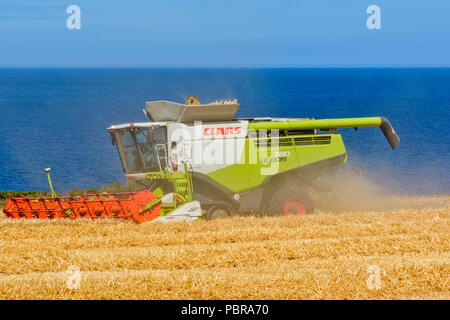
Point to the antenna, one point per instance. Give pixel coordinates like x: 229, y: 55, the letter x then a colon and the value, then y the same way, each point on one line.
x: 47, y: 171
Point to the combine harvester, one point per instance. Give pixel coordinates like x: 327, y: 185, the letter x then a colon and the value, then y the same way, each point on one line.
x: 216, y: 168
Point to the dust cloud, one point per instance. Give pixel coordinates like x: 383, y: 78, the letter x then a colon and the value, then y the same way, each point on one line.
x: 352, y: 192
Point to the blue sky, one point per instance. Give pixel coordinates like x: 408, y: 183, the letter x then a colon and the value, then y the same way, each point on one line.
x: 224, y: 33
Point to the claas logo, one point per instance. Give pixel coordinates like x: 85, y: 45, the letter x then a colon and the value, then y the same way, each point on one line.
x: 224, y: 131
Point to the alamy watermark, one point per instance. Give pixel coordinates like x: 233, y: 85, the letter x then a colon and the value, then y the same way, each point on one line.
x: 228, y: 144
x: 74, y: 20
x: 374, y: 20
x: 374, y: 280
x: 73, y: 281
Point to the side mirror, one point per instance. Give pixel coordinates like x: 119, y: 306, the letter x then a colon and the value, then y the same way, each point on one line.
x: 113, y: 138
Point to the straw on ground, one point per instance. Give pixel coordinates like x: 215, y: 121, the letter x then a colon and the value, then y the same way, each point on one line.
x: 319, y: 256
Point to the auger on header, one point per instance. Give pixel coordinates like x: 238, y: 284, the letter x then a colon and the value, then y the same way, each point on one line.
x: 144, y: 206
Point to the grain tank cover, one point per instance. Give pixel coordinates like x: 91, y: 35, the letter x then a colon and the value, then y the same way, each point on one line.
x: 220, y: 110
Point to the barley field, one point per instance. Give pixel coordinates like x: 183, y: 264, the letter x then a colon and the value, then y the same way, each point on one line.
x: 400, y: 253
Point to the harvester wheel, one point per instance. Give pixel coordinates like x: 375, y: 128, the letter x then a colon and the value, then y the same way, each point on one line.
x: 217, y: 212
x: 290, y: 201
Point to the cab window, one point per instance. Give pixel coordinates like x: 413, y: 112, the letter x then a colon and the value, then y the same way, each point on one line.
x: 139, y: 148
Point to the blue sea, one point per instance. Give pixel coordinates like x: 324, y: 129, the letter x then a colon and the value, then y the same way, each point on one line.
x: 58, y: 118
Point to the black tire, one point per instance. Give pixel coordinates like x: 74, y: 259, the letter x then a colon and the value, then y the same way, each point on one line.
x: 290, y: 201
x: 217, y: 212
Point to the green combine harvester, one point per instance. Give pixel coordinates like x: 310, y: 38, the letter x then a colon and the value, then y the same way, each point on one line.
x: 197, y: 161
x: 270, y: 166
